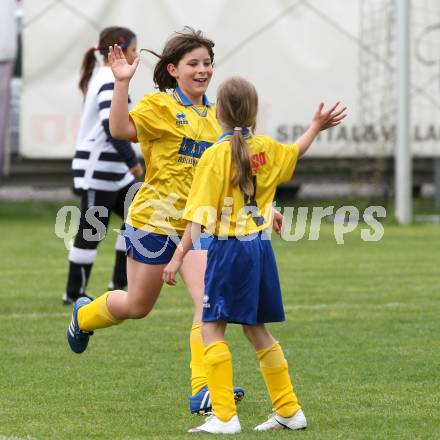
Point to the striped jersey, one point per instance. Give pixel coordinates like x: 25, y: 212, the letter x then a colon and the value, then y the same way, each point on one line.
x: 101, y: 162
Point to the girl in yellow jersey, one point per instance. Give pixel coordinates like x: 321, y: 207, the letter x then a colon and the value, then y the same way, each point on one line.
x: 231, y: 196
x: 174, y: 127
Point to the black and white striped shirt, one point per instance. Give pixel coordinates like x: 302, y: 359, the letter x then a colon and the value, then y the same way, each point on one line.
x: 101, y: 162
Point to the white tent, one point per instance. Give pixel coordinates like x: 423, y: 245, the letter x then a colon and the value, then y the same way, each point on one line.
x: 296, y: 52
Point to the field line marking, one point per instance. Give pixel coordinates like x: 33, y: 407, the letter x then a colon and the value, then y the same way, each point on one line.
x: 34, y: 315
x: 299, y: 307
x: 42, y: 315
x: 390, y: 305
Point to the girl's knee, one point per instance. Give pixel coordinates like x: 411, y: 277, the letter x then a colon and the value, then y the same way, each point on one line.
x: 258, y: 335
x: 252, y: 331
x: 138, y: 311
x: 138, y: 314
x: 213, y: 331
x: 247, y: 331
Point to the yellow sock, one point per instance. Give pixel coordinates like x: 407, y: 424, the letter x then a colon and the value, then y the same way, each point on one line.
x: 218, y: 367
x: 275, y: 371
x: 198, y: 375
x: 96, y: 315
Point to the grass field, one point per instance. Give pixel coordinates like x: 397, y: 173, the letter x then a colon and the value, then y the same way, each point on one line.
x: 362, y: 338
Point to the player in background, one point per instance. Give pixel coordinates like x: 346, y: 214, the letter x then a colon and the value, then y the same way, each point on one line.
x: 231, y: 195
x: 103, y: 168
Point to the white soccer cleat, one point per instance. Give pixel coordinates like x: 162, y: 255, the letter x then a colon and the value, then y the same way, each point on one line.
x: 275, y: 421
x: 213, y: 425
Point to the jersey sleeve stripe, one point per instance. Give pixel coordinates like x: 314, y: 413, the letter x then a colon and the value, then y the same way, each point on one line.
x: 106, y: 86
x: 105, y: 104
x: 107, y: 95
x: 78, y: 173
x: 82, y: 154
x: 108, y: 175
x: 111, y: 157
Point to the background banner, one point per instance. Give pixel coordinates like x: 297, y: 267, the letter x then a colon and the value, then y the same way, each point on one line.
x: 297, y: 53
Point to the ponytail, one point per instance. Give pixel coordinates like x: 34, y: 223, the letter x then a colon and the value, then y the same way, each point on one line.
x: 237, y: 106
x: 107, y: 37
x: 242, y: 163
x: 88, y: 64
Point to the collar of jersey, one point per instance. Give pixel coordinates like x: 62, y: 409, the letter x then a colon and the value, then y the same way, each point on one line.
x: 226, y: 135
x: 182, y: 98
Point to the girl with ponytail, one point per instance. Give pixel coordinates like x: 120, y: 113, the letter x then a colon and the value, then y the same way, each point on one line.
x: 124, y: 37
x: 239, y: 176
x: 103, y: 168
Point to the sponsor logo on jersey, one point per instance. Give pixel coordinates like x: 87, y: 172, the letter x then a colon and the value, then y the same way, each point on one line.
x: 190, y: 147
x: 181, y: 119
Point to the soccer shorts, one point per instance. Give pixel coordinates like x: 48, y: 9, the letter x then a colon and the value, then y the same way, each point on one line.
x: 150, y: 248
x: 241, y: 282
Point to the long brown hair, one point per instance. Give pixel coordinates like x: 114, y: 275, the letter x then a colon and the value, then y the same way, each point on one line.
x: 108, y: 37
x: 237, y: 103
x: 175, y: 49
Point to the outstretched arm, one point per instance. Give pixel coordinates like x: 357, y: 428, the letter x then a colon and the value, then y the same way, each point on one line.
x: 121, y: 126
x: 320, y: 121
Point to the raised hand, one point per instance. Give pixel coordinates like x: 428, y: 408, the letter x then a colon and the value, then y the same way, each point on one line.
x: 321, y: 121
x: 330, y: 118
x: 119, y: 65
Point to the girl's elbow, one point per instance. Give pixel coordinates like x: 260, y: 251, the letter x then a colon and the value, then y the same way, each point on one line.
x: 119, y: 136
x: 117, y: 133
x: 113, y: 130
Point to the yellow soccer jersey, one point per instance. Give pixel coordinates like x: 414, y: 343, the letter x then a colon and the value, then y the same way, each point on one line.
x: 173, y: 134
x: 223, y: 209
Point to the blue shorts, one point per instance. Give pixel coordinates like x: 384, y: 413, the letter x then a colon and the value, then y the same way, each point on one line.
x: 241, y: 282
x: 150, y: 248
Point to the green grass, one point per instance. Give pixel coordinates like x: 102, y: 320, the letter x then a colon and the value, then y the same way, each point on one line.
x: 361, y: 337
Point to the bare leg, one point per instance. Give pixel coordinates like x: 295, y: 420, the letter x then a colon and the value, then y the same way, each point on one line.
x: 193, y: 275
x: 144, y: 285
x: 213, y: 332
x: 258, y: 336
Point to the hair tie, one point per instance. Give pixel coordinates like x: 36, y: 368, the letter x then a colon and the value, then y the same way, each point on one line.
x: 238, y: 129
